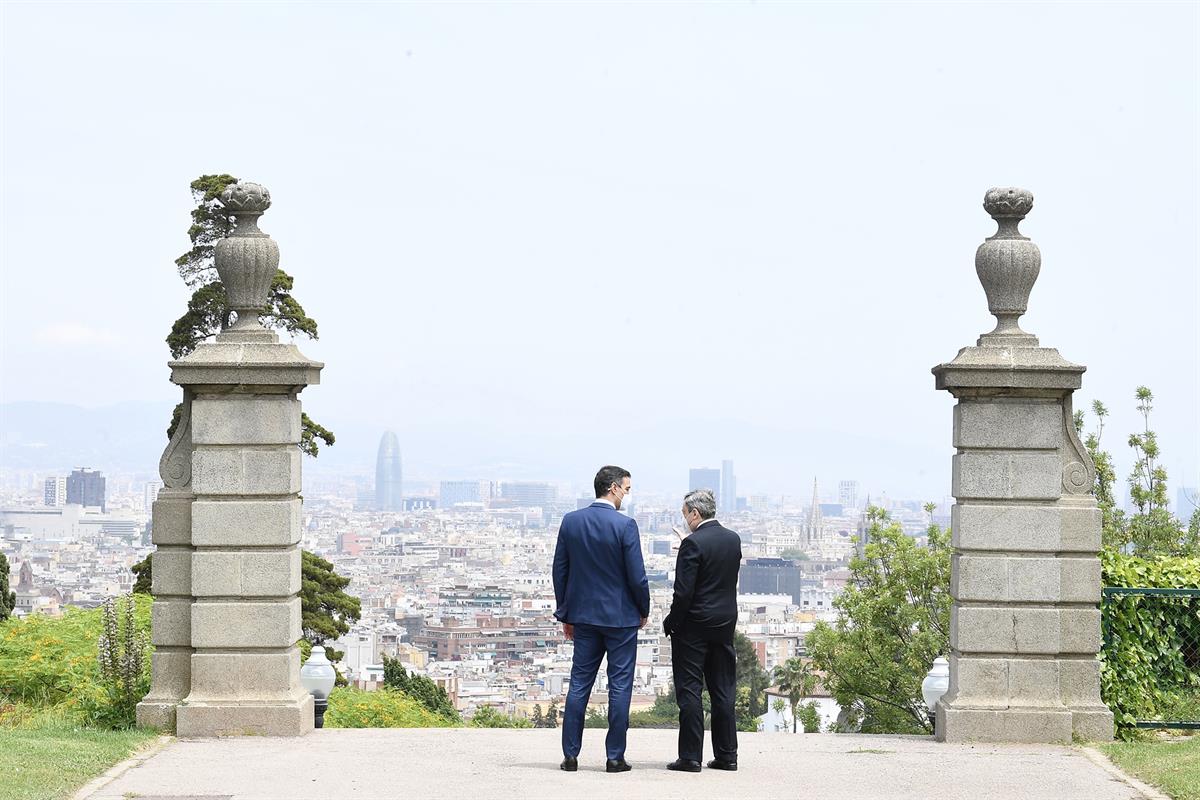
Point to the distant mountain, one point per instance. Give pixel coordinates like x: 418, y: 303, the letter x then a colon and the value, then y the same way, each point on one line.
x: 768, y: 459
x: 126, y: 436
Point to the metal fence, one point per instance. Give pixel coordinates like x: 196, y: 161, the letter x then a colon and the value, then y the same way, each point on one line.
x: 1158, y: 631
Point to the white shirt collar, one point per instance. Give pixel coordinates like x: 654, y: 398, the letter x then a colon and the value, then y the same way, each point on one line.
x: 702, y: 524
x: 606, y: 502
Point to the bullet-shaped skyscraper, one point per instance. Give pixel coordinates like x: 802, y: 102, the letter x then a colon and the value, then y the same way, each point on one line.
x: 388, y: 495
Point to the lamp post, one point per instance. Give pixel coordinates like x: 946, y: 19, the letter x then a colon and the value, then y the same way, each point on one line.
x: 318, y: 676
x: 936, y: 682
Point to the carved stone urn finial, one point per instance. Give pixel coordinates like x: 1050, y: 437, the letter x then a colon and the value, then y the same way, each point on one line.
x: 1008, y: 264
x: 248, y: 258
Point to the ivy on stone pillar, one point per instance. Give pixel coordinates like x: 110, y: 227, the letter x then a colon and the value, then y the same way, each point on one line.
x: 1025, y: 576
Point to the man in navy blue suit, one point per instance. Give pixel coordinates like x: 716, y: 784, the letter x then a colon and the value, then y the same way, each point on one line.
x: 603, y: 600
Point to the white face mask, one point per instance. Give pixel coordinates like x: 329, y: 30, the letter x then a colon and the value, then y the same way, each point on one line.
x: 626, y: 499
x: 687, y: 524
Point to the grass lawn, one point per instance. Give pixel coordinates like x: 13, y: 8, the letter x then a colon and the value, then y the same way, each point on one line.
x: 49, y: 763
x: 1171, y: 765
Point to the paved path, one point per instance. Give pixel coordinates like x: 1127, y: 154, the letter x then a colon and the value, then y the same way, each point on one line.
x: 468, y: 763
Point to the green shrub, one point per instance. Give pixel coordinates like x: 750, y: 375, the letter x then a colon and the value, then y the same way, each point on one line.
x: 419, y: 687
x: 49, y: 670
x: 488, y: 717
x: 1149, y: 666
x: 386, y: 708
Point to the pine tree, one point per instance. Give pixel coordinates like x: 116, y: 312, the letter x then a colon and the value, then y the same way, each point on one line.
x: 8, y: 599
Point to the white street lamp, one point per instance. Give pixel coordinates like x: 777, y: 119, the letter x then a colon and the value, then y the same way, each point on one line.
x: 318, y: 676
x: 936, y: 682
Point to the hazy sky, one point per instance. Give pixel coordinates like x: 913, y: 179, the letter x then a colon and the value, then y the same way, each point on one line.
x: 558, y: 235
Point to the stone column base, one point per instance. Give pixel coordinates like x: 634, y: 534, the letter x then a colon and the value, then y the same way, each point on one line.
x: 245, y: 718
x: 1049, y: 725
x: 1092, y: 724
x: 159, y: 714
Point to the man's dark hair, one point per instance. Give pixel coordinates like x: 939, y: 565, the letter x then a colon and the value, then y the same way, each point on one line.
x: 607, y: 476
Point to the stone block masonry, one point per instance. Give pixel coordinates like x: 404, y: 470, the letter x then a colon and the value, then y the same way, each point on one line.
x: 226, y: 615
x: 1025, y: 577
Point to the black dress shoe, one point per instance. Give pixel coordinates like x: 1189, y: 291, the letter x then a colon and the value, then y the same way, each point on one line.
x: 616, y: 765
x: 684, y: 765
x: 569, y: 764
x: 720, y: 763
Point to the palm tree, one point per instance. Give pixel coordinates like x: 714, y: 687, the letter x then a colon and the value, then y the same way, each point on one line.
x: 795, y: 679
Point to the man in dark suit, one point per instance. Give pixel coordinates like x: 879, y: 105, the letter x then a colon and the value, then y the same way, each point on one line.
x: 701, y: 624
x: 603, y: 599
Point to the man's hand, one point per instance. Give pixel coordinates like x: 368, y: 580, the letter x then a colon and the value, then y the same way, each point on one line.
x: 644, y: 621
x: 569, y: 631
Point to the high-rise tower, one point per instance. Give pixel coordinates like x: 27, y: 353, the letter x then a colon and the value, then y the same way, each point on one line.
x: 727, y: 503
x: 388, y: 494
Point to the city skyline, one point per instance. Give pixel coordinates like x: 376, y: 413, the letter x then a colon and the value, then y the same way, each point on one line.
x: 507, y: 256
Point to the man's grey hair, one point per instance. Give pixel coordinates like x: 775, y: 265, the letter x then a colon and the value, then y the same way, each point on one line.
x: 701, y: 500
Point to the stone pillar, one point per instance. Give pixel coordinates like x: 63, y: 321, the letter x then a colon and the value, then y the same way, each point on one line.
x: 242, y: 557
x: 1025, y: 577
x: 171, y: 570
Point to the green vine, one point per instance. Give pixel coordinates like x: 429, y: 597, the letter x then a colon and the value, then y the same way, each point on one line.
x: 1150, y: 661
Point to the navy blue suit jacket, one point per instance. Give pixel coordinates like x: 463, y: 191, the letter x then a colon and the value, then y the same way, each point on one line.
x: 599, y: 576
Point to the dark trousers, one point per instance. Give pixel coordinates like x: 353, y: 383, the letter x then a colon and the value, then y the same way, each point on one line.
x: 696, y: 662
x: 592, y: 642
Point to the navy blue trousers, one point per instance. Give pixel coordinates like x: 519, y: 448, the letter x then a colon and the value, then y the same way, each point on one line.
x: 592, y: 643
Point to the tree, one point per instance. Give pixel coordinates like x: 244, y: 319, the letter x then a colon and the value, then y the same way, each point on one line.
x: 810, y: 718
x: 536, y: 717
x: 142, y: 575
x: 795, y: 679
x: 1152, y: 529
x: 552, y: 715
x: 8, y: 599
x: 795, y: 554
x: 780, y: 706
x: 894, y: 621
x: 208, y: 310
x: 421, y: 688
x: 751, y: 675
x: 326, y: 611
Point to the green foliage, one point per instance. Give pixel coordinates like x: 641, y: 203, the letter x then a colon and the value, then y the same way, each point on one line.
x: 894, y: 621
x: 552, y: 715
x: 49, y: 670
x: 596, y: 718
x: 795, y: 679
x: 420, y: 688
x: 143, y: 575
x: 208, y: 310
x: 210, y: 224
x: 810, y: 718
x: 8, y: 599
x: 326, y: 611
x: 795, y: 554
x: 1150, y: 661
x: 745, y: 719
x: 751, y: 675
x: 1152, y: 530
x: 488, y: 717
x: 123, y: 658
x: 386, y: 708
x: 310, y: 432
x: 536, y: 719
